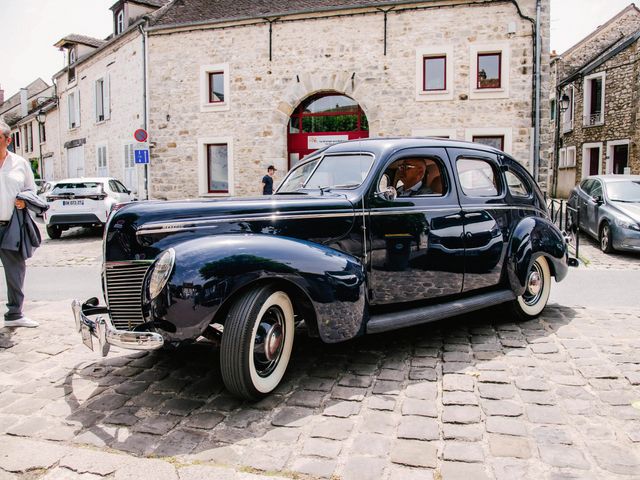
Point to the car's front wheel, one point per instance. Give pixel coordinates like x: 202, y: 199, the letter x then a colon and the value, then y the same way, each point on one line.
x: 54, y: 232
x: 537, y: 289
x: 606, y: 238
x: 257, y: 342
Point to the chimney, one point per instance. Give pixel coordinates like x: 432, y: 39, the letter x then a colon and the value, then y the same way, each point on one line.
x: 24, y: 96
x: 1, y: 95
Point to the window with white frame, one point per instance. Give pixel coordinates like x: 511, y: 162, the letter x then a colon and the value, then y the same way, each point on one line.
x: 101, y: 154
x: 130, y: 173
x: 567, y: 157
x: 16, y: 139
x: 498, y: 137
x: 72, y: 60
x: 28, y: 138
x: 120, y: 21
x: 42, y: 132
x: 73, y: 106
x: 434, y: 73
x: 215, y: 166
x: 594, y: 88
x: 214, y: 87
x: 567, y: 116
x: 101, y: 97
x: 489, y: 70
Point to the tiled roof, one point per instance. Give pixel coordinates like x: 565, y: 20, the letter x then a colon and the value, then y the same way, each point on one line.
x: 83, y: 39
x: 34, y: 88
x: 202, y: 11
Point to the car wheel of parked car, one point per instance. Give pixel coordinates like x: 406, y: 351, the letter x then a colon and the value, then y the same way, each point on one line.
x: 257, y: 342
x: 538, y: 287
x: 54, y: 232
x: 606, y: 243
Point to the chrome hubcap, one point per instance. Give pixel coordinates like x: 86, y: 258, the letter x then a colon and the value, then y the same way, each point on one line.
x: 268, y: 342
x: 535, y: 285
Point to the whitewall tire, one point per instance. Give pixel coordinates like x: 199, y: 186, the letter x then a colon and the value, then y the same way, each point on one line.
x: 257, y: 342
x: 537, y: 289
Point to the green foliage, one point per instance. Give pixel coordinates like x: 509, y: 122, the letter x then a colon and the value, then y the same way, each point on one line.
x: 35, y: 167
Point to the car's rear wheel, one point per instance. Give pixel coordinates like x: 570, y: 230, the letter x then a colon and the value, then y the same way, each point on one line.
x: 54, y: 231
x: 537, y: 289
x: 606, y: 238
x: 257, y: 342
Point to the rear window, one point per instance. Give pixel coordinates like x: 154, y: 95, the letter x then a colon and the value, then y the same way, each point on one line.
x: 477, y: 177
x: 78, y: 188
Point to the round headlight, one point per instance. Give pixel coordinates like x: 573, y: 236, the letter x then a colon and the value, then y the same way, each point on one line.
x: 161, y: 271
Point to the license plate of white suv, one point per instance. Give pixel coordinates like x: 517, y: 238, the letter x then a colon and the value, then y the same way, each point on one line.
x: 72, y: 202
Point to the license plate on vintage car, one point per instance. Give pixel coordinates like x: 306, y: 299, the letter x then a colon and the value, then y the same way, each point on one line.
x: 72, y: 202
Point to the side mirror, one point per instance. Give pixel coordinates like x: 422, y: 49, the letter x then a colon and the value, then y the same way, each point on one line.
x: 598, y: 199
x: 388, y: 193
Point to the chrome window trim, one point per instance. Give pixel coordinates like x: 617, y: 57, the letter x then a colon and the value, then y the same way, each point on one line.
x: 200, y: 224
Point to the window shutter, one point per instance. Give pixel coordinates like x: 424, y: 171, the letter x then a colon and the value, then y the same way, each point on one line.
x: 95, y: 101
x: 71, y: 109
x: 77, y: 98
x: 106, y: 102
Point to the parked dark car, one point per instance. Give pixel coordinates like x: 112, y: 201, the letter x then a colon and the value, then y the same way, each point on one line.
x: 342, y: 245
x: 609, y: 208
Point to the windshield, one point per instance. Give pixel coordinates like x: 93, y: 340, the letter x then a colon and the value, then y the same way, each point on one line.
x: 626, y: 191
x: 330, y: 171
x: 77, y: 188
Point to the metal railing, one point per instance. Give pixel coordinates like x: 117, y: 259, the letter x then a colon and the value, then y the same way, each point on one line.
x: 594, y: 119
x: 567, y: 219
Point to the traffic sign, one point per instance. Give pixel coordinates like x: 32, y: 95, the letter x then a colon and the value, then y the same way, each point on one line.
x: 141, y: 156
x: 140, y: 135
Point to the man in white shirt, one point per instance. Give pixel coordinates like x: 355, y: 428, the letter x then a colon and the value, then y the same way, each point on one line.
x: 15, y: 177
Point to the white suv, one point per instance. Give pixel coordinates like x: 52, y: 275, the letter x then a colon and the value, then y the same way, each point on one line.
x: 82, y: 202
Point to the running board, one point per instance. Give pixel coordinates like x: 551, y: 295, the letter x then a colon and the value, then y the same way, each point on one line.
x: 417, y: 316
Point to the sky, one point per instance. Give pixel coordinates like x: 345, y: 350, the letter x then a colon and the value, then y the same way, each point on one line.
x: 35, y: 25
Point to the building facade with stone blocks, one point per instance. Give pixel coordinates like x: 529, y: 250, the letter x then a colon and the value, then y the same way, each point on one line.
x: 32, y: 115
x: 599, y: 80
x: 102, y: 99
x: 234, y: 88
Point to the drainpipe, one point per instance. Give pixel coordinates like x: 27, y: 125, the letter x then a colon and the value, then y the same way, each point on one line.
x: 145, y: 103
x: 538, y: 74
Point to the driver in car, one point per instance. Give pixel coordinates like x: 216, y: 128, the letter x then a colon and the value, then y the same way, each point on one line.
x: 412, y: 173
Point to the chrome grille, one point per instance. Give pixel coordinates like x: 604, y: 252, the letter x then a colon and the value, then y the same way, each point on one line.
x: 124, y: 293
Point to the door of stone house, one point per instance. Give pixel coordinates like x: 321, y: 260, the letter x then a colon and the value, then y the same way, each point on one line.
x: 75, y: 161
x: 620, y: 158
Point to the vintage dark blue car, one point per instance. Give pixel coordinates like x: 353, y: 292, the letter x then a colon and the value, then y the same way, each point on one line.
x: 361, y: 237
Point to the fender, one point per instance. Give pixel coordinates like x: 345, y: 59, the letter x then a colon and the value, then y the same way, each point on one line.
x: 532, y: 237
x: 208, y: 271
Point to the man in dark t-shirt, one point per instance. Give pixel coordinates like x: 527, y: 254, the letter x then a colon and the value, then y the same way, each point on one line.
x: 267, y: 181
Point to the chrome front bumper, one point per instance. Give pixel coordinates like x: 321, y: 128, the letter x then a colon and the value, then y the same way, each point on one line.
x: 107, y: 335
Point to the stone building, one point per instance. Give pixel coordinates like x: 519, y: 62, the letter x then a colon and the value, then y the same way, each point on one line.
x: 32, y: 115
x: 102, y: 98
x: 599, y: 80
x: 235, y: 86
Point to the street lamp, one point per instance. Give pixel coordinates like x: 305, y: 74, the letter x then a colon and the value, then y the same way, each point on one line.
x: 41, y: 117
x: 565, y: 101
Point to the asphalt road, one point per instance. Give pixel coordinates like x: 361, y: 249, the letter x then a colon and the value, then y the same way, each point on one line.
x: 583, y: 287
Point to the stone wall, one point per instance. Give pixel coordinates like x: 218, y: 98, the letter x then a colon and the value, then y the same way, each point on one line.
x: 343, y: 54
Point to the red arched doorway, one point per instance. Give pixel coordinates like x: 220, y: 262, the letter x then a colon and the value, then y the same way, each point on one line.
x: 324, y: 119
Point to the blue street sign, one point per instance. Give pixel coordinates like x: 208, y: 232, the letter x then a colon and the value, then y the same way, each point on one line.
x: 141, y: 156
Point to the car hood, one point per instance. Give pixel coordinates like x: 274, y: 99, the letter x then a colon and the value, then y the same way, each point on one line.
x: 630, y: 209
x: 141, y: 230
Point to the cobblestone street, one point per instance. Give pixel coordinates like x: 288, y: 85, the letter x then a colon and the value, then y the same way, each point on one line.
x: 468, y: 398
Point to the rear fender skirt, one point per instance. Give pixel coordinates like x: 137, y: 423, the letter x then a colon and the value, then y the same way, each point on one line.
x: 532, y: 237
x: 209, y: 271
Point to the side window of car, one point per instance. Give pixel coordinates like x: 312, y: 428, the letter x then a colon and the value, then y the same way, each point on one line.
x: 596, y: 189
x: 517, y: 186
x: 477, y: 177
x: 415, y: 176
x: 586, y: 186
x: 112, y: 186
